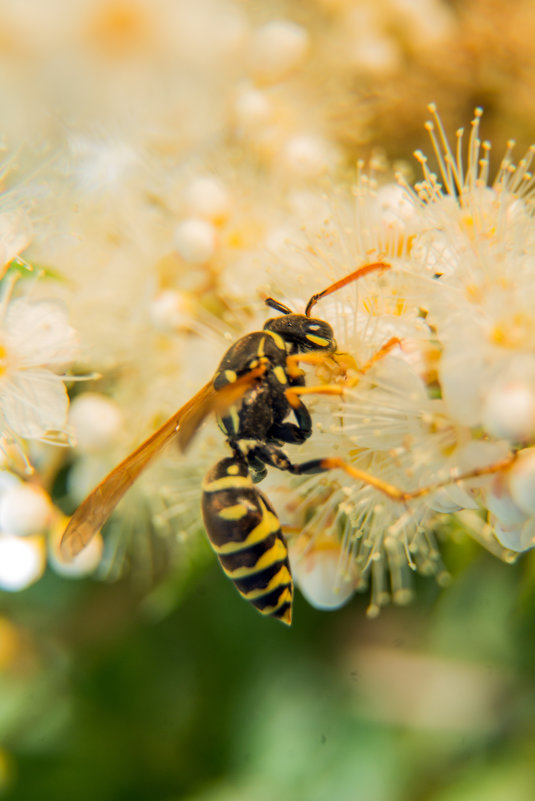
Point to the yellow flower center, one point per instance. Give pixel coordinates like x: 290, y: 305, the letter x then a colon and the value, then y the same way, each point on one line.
x: 516, y: 332
x: 3, y: 360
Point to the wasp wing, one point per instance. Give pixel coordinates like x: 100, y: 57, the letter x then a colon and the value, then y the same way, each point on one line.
x: 100, y: 503
x: 209, y: 400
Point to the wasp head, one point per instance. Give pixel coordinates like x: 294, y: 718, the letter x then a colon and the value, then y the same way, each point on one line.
x: 303, y: 333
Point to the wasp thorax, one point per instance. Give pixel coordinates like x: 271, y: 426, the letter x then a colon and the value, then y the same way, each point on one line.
x: 304, y: 333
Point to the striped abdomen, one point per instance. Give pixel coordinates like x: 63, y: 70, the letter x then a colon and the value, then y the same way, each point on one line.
x: 245, y: 533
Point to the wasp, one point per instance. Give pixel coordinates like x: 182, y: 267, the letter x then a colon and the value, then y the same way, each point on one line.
x: 257, y: 387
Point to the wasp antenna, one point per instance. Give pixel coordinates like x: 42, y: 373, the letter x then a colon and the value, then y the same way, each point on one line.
x: 348, y: 279
x: 277, y: 305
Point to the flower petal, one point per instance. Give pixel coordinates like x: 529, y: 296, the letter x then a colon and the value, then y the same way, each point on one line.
x: 33, y: 402
x: 38, y: 334
x: 15, y: 234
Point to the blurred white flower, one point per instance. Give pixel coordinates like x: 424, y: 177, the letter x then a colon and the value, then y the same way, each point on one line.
x: 96, y: 421
x: 22, y: 561
x: 25, y: 510
x: 208, y: 197
x: 101, y: 164
x: 277, y: 49
x: 15, y: 235
x: 195, y: 240
x: 36, y: 343
x: 325, y: 577
x: 15, y: 224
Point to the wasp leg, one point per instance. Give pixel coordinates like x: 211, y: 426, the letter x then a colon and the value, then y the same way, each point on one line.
x: 286, y: 431
x: 277, y: 458
x: 293, y: 361
x: 317, y: 359
x: 257, y: 467
x: 322, y: 389
x: 297, y: 434
x: 393, y: 492
x: 290, y: 432
x: 396, y: 494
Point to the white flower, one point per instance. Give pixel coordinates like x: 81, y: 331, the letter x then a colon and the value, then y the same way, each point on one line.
x: 25, y: 510
x: 15, y: 234
x: 22, y: 561
x: 102, y: 164
x: 36, y: 342
x: 195, y: 240
x: 277, y: 49
x: 96, y: 421
x: 438, y: 373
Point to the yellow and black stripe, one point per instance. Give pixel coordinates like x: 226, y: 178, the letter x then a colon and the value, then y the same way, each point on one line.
x: 259, y: 348
x: 245, y: 533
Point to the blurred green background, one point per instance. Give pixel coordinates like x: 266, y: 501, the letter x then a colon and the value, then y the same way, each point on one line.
x: 104, y: 695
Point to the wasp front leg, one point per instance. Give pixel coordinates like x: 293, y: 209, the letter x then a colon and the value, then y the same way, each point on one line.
x: 340, y: 364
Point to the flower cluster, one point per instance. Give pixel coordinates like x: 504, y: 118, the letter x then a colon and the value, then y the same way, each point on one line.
x: 441, y: 379
x: 215, y: 176
x: 37, y: 345
x: 437, y: 415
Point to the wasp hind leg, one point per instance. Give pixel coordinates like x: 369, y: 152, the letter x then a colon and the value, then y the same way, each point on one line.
x: 277, y: 458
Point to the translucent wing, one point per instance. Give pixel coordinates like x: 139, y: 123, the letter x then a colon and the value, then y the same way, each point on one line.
x: 100, y: 503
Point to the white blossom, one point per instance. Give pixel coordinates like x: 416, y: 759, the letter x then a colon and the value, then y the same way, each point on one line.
x: 36, y: 343
x: 25, y: 510
x: 438, y: 371
x: 22, y: 561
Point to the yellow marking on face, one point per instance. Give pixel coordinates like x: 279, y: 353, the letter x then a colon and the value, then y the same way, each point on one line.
x: 233, y: 470
x: 230, y: 375
x: 317, y: 340
x: 278, y: 580
x: 254, y: 363
x: 279, y: 341
x: 260, y: 350
x: 227, y: 482
x: 276, y: 553
x: 280, y: 375
x: 284, y: 598
x: 269, y: 524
